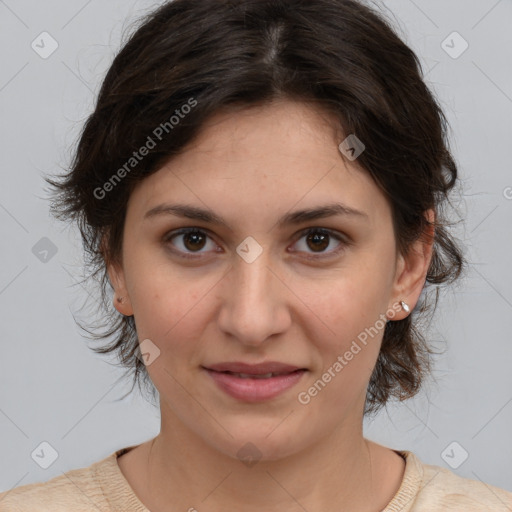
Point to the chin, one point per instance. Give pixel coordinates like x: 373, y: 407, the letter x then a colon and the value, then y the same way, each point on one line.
x: 252, y: 445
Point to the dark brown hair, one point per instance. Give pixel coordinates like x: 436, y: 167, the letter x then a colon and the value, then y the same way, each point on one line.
x: 341, y: 55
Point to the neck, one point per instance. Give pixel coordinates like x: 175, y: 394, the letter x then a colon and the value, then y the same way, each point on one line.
x: 334, y: 474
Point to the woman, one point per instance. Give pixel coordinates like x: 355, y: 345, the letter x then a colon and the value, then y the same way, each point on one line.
x: 261, y: 184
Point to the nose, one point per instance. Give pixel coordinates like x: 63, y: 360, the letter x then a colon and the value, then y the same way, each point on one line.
x: 254, y: 302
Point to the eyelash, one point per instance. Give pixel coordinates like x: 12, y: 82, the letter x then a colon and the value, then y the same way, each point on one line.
x: 183, y: 231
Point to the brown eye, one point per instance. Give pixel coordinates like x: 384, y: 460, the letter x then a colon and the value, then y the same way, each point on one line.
x: 194, y: 240
x: 189, y: 241
x: 317, y: 240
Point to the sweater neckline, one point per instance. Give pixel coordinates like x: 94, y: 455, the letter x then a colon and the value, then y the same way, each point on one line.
x: 120, y: 495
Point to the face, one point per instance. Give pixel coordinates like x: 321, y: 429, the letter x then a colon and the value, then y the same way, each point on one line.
x: 264, y: 285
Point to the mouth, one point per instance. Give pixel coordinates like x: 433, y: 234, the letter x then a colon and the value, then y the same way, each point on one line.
x: 260, y: 376
x: 255, y: 386
x: 269, y: 367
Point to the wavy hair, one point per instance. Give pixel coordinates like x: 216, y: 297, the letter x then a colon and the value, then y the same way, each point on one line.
x: 341, y: 55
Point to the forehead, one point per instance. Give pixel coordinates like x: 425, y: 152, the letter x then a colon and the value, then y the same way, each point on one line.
x: 281, y: 121
x: 270, y: 158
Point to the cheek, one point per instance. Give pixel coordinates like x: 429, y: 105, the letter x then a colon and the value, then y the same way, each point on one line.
x: 347, y: 358
x: 351, y: 300
x: 351, y: 306
x: 168, y: 305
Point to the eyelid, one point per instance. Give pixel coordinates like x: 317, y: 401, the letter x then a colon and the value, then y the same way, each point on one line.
x: 183, y: 231
x: 339, y: 236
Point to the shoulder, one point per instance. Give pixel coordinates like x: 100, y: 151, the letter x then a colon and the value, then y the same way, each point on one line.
x: 74, y: 491
x: 444, y: 487
x: 441, y: 489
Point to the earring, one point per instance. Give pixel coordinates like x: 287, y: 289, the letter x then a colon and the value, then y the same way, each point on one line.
x: 405, y: 306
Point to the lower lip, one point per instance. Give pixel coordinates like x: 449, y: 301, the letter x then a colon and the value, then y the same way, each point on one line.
x: 255, y: 390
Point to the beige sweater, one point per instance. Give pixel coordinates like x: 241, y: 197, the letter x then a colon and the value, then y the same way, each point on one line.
x: 102, y: 487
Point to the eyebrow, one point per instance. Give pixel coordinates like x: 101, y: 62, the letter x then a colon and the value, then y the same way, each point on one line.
x: 290, y: 218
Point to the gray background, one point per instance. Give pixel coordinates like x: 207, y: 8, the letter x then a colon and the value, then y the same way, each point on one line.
x: 54, y: 389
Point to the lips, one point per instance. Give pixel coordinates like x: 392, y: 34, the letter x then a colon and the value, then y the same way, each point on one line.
x: 261, y: 369
x: 255, y: 382
x: 255, y: 376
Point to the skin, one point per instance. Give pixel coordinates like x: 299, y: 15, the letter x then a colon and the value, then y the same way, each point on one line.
x: 251, y: 167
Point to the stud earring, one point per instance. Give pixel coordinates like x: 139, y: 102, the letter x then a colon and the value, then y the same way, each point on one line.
x: 405, y: 306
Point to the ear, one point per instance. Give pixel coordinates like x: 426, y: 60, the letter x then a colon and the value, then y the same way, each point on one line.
x: 412, y: 268
x: 121, y: 298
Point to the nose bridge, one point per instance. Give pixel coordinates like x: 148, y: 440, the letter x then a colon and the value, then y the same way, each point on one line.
x: 252, y: 309
x: 254, y: 278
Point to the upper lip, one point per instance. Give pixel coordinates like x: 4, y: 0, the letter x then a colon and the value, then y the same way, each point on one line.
x: 254, y: 369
